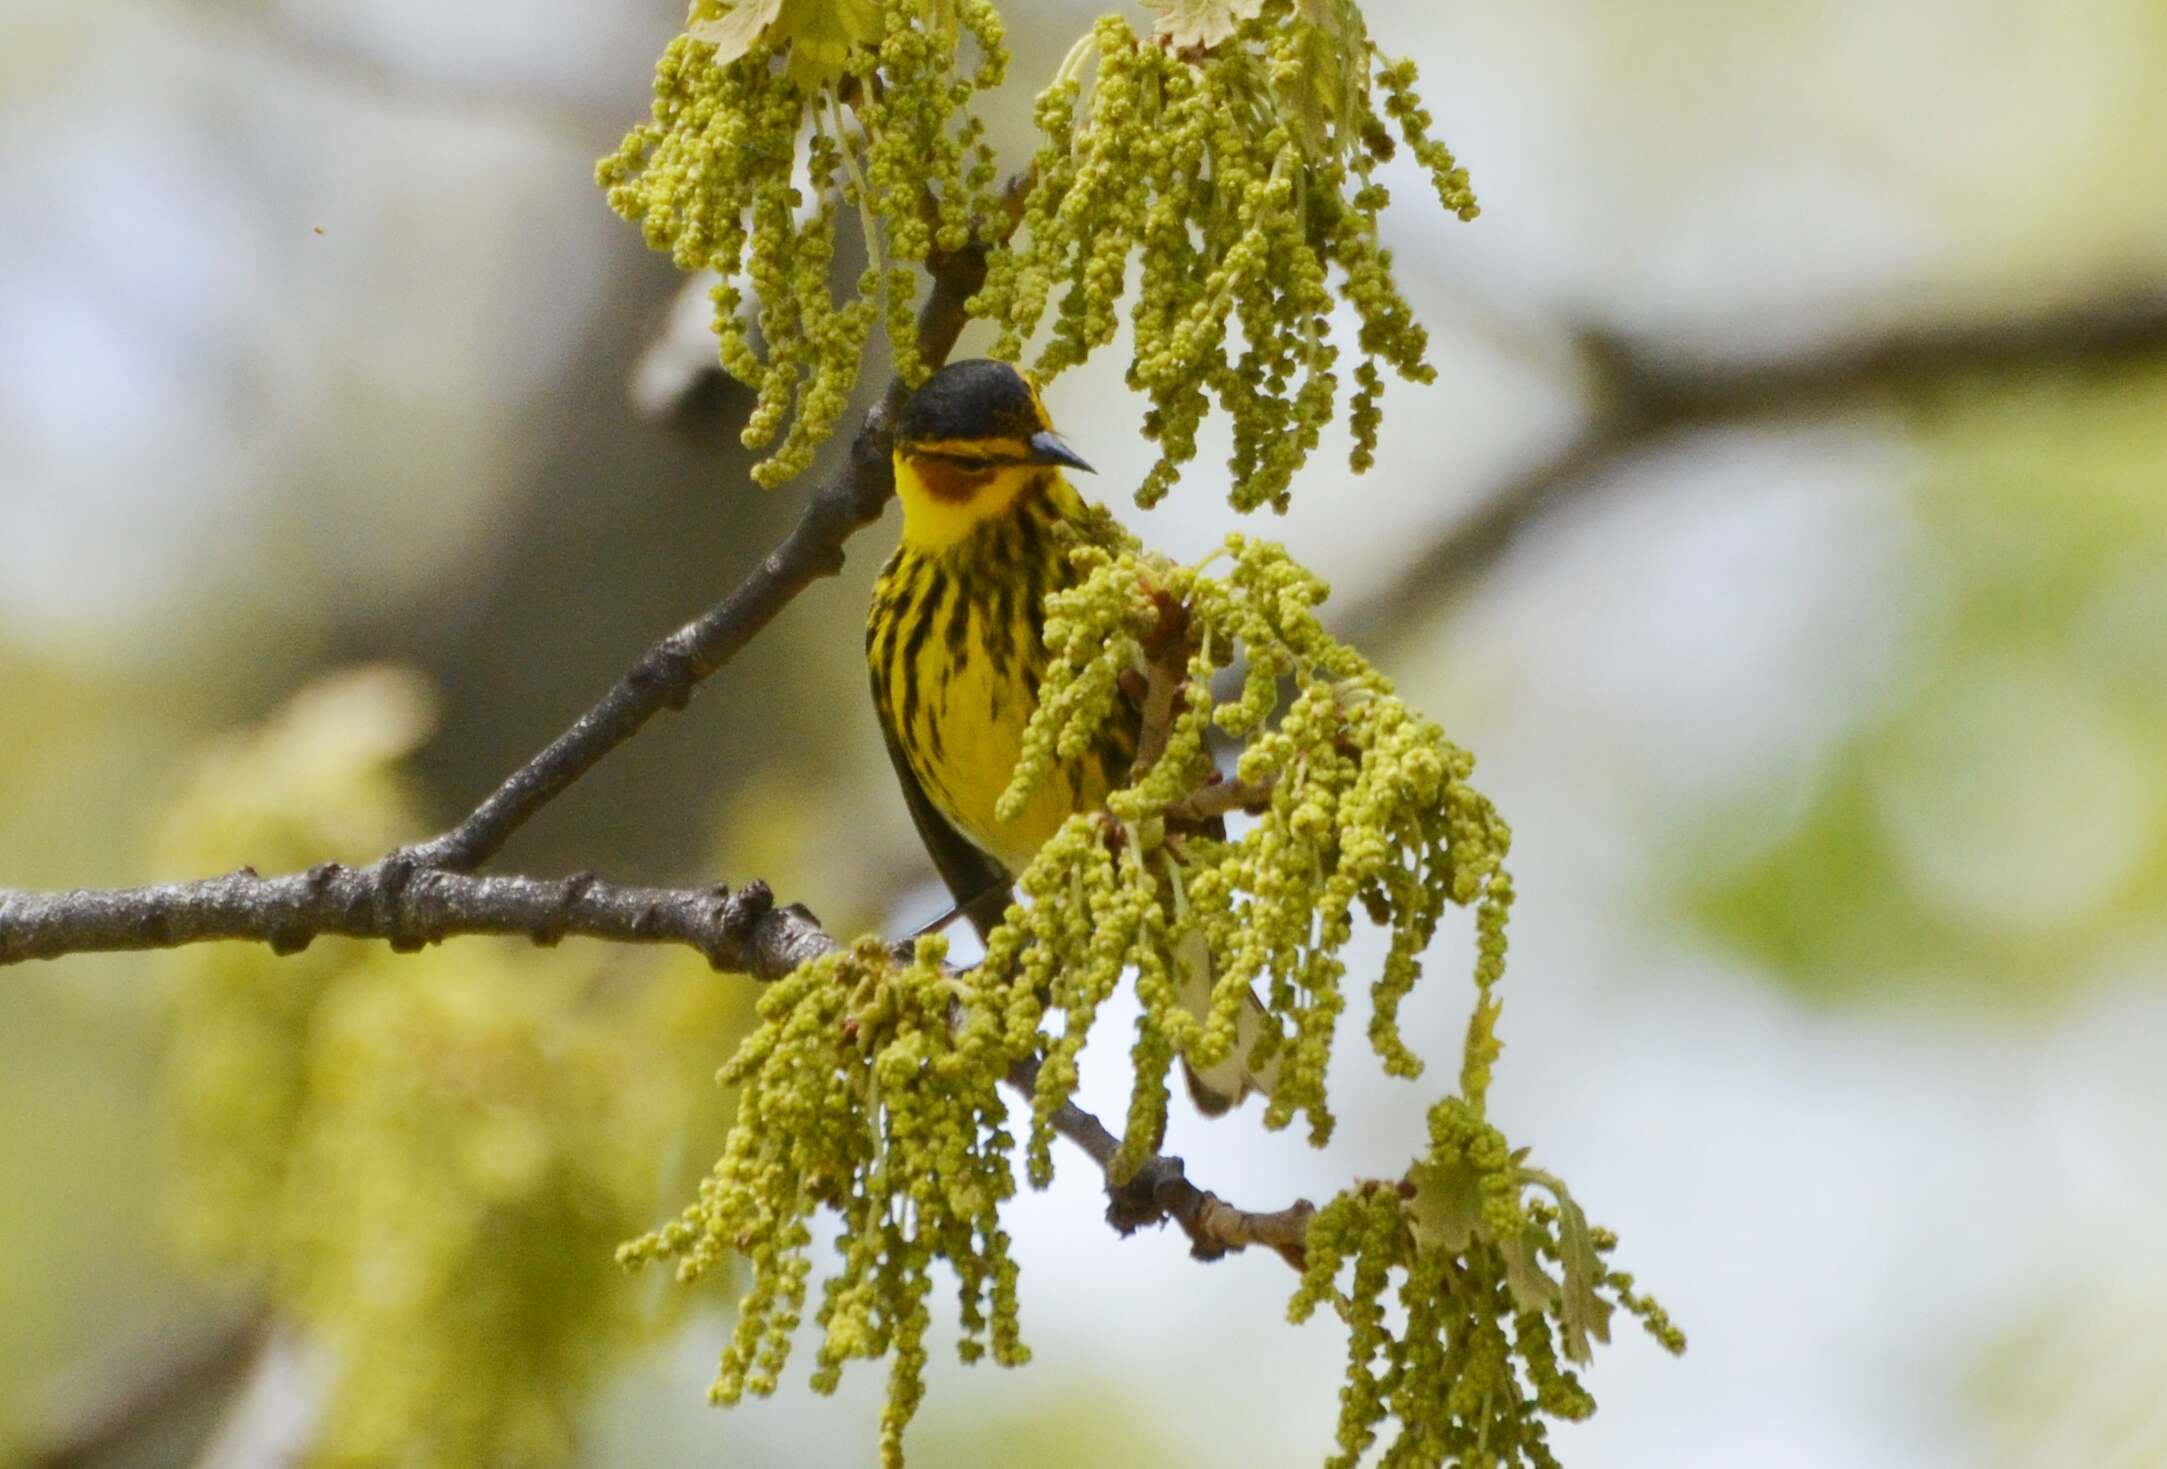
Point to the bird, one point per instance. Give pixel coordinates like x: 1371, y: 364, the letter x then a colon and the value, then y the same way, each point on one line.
x: 955, y: 648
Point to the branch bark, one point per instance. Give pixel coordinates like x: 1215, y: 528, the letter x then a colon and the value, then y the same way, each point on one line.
x: 1161, y: 1193
x: 409, y: 906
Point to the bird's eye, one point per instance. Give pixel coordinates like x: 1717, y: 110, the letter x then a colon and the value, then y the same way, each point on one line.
x: 969, y: 462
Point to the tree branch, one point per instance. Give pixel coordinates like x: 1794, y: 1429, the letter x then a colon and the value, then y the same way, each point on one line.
x: 1643, y: 395
x: 409, y: 905
x: 423, y: 894
x: 1161, y: 1193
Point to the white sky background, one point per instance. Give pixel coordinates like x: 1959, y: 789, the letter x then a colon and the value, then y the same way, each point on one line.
x: 1838, y: 1205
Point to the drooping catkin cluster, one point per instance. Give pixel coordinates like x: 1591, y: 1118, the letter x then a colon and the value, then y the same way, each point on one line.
x: 421, y: 1162
x: 1359, y: 804
x: 869, y: 1089
x: 1494, y: 1286
x: 769, y: 118
x: 1233, y: 157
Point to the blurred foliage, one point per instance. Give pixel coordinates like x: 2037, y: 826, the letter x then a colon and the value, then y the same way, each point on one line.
x: 2003, y: 827
x: 79, y: 1254
x: 1073, y: 1431
x: 2074, y: 1380
x: 423, y: 1160
x: 321, y: 782
x: 478, y: 1134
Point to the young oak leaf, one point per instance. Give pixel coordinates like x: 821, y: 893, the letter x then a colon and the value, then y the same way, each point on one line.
x: 821, y: 33
x: 1331, y: 48
x: 737, y: 29
x: 1584, y: 1313
x: 824, y: 33
x: 1201, y: 24
x: 1446, y: 1210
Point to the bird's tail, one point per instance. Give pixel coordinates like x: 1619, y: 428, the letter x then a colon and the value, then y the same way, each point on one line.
x: 1218, y: 1088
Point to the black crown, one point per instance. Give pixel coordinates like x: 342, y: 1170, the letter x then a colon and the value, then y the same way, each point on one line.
x: 976, y: 399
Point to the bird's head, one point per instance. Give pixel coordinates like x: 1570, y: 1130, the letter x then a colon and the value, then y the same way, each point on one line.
x: 968, y: 444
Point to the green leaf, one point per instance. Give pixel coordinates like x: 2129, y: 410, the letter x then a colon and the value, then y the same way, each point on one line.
x: 1447, y: 1207
x: 824, y: 33
x: 1532, y: 1288
x: 1582, y: 1312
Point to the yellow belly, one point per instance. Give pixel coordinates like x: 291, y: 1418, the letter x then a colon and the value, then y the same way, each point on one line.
x: 981, y: 717
x: 954, y: 647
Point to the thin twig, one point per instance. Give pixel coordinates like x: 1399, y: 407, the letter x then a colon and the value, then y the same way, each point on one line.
x: 1221, y: 798
x: 1160, y: 1192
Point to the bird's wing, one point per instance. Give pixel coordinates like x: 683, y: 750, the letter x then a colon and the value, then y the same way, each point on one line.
x: 981, y: 886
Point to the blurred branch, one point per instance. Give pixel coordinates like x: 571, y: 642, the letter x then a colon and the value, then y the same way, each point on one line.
x: 1643, y: 394
x: 98, y: 1407
x: 679, y: 357
x: 299, y: 43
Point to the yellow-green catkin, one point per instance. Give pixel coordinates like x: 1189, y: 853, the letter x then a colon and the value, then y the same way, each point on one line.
x: 1495, y: 1287
x: 771, y: 119
x: 869, y: 1088
x: 1360, y: 805
x: 1240, y: 177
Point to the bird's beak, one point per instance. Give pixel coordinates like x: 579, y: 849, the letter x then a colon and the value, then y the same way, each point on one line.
x: 1047, y: 447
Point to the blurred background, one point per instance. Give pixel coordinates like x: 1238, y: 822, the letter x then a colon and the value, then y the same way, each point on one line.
x: 1786, y: 533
